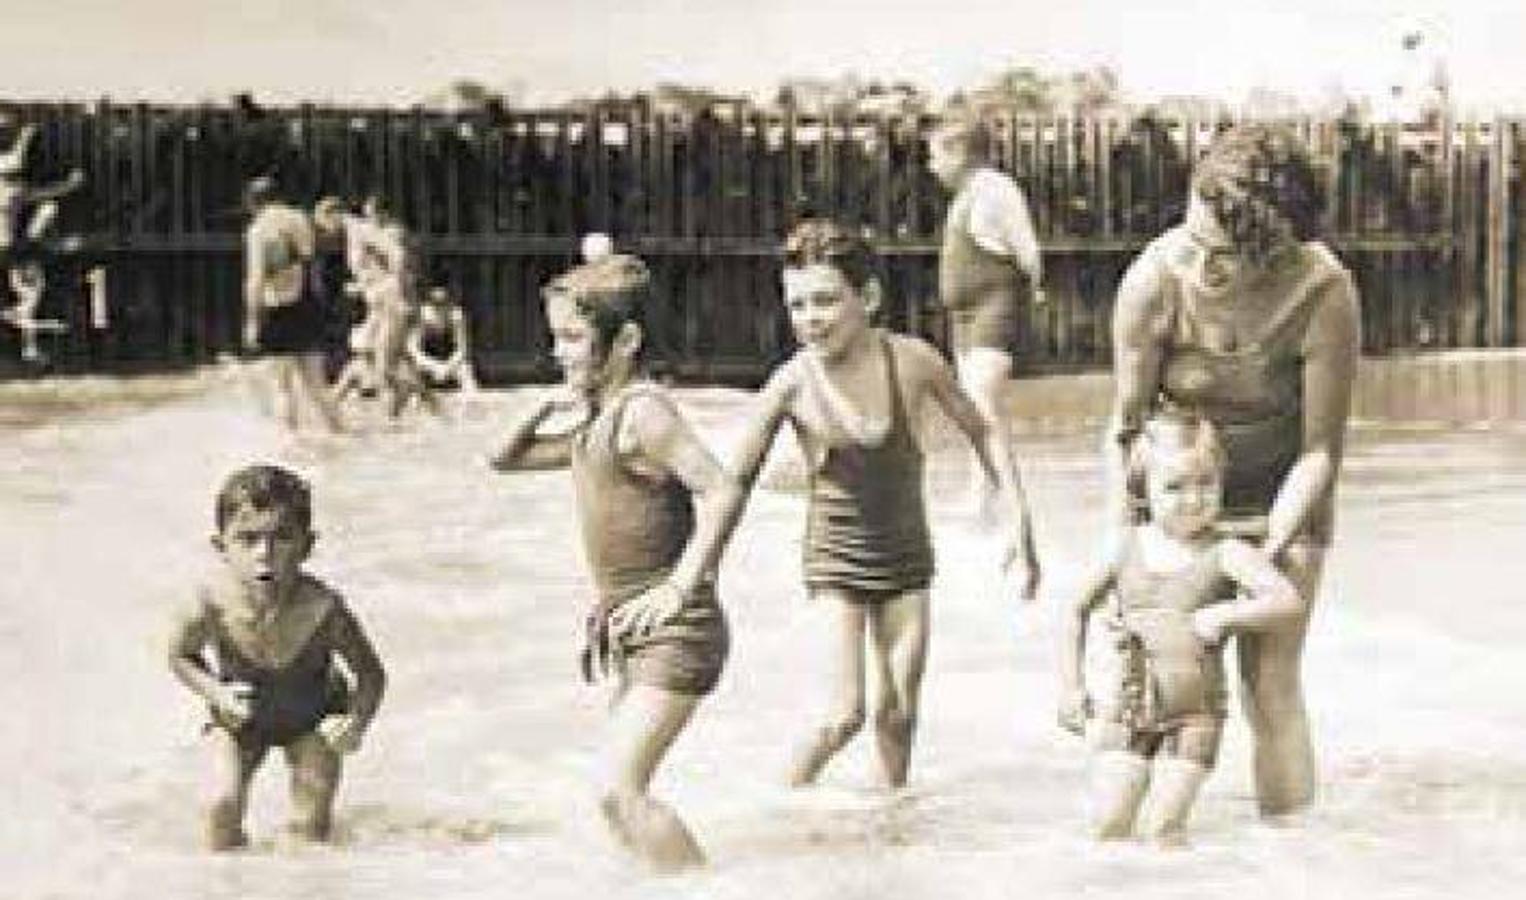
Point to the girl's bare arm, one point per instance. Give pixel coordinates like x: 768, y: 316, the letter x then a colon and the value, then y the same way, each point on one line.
x: 526, y: 449
x: 463, y: 340
x: 659, y: 439
x: 993, y: 450
x: 1096, y: 585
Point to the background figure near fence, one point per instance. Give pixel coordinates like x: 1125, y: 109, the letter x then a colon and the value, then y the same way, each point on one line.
x: 329, y: 280
x: 28, y: 213
x: 384, y: 273
x: 283, y: 320
x: 1243, y: 316
x: 989, y: 265
x: 439, y: 346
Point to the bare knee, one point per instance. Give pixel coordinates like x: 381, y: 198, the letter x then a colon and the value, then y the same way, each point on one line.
x: 894, y: 720
x: 841, y: 726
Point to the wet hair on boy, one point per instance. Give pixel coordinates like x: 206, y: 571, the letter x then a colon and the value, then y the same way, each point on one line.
x: 265, y: 487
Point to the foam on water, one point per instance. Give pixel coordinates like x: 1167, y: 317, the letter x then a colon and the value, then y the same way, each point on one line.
x: 474, y: 780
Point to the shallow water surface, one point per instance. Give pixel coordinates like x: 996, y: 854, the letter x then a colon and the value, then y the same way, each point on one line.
x: 472, y: 783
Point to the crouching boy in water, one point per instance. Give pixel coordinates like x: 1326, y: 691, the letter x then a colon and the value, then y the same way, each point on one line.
x: 1165, y: 579
x: 274, y: 632
x: 647, y: 489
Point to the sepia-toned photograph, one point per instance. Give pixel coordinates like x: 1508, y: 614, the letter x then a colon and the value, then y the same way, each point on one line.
x: 808, y: 449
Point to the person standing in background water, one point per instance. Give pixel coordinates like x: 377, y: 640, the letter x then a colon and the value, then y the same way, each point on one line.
x: 283, y: 319
x: 988, y: 265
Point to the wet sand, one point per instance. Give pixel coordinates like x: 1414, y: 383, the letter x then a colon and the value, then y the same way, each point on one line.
x: 472, y: 783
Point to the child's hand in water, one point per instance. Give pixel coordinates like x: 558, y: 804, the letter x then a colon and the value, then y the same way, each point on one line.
x: 641, y: 614
x: 234, y: 700
x: 1209, y: 625
x: 1075, y: 709
x: 342, y: 733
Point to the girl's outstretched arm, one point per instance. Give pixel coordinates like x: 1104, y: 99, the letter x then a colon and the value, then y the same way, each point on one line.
x: 527, y: 449
x: 993, y: 449
x: 659, y: 439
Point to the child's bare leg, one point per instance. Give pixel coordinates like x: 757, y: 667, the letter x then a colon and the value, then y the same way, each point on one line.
x: 899, y: 631
x: 845, y: 712
x: 1173, y: 789
x: 235, y: 765
x: 315, y: 771
x: 308, y: 377
x: 467, y: 379
x: 644, y: 724
x: 1117, y: 779
x: 282, y: 391
x: 388, y: 356
x: 351, y: 378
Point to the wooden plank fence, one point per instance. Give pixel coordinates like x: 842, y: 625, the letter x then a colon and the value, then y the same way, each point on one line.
x: 1431, y: 222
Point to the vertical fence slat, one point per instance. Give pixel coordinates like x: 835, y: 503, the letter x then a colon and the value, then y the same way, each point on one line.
x: 1496, y: 246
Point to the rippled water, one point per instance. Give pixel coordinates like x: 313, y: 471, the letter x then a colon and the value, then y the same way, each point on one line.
x: 472, y: 783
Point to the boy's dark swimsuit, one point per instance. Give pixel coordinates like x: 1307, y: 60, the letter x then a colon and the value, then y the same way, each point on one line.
x: 287, y: 701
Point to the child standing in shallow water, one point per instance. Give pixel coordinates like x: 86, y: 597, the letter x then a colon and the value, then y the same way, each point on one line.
x: 853, y: 394
x: 647, y: 491
x: 274, y: 633
x: 1166, y: 578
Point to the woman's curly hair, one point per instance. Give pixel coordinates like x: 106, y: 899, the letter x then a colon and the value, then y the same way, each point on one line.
x: 1261, y: 185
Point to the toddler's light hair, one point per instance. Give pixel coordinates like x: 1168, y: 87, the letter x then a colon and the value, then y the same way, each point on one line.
x: 1175, y: 432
